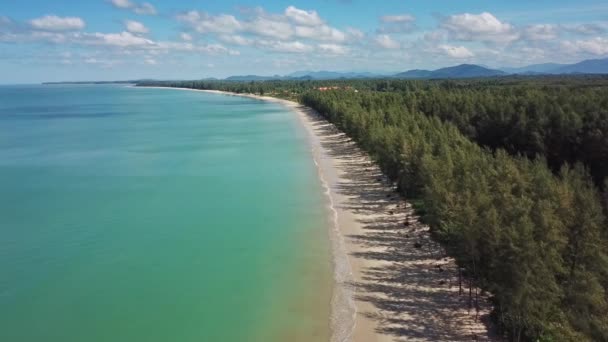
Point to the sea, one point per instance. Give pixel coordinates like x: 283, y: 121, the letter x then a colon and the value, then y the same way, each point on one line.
x: 139, y: 214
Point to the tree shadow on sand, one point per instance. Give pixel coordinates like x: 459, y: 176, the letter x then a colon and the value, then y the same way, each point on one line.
x: 417, y: 287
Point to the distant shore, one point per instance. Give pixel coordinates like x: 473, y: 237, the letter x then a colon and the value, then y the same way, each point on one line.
x: 381, y: 293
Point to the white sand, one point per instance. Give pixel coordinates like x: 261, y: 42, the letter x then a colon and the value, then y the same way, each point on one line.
x: 386, y: 289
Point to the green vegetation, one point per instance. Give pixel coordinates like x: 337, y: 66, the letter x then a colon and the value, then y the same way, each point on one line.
x: 508, y: 173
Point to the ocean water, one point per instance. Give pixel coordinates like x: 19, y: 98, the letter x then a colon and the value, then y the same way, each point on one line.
x: 134, y: 214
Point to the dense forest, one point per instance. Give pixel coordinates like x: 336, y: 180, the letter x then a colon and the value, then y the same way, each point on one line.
x: 508, y: 173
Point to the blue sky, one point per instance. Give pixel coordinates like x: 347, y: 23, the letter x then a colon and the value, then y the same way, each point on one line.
x: 43, y: 40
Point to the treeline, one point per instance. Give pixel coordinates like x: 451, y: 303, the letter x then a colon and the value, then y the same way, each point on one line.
x: 508, y: 172
x: 535, y: 240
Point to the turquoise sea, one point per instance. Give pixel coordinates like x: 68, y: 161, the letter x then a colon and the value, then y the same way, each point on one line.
x: 136, y: 214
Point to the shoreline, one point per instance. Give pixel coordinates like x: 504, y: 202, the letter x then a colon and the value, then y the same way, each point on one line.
x: 380, y: 294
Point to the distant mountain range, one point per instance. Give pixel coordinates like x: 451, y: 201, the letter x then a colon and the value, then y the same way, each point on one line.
x: 309, y: 75
x: 459, y: 71
x: 591, y: 66
x: 332, y: 75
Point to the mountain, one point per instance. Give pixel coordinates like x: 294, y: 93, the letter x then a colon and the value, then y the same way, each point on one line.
x: 254, y: 78
x: 459, y: 71
x: 333, y: 75
x: 534, y: 68
x: 590, y: 66
x: 416, y: 73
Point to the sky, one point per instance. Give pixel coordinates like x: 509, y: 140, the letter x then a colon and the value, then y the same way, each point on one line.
x: 67, y: 40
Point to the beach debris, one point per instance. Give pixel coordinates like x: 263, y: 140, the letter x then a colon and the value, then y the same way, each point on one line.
x: 417, y: 245
x: 391, y: 212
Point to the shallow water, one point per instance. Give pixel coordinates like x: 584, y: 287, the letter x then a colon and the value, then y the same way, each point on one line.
x: 131, y: 214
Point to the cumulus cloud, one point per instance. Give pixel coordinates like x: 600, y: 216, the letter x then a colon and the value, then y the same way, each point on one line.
x: 333, y: 49
x: 479, y: 27
x: 459, y: 52
x: 588, y: 29
x: 234, y: 39
x: 541, y: 32
x: 205, y: 23
x: 269, y: 27
x: 144, y: 8
x: 323, y: 33
x: 303, y: 17
x: 55, y: 23
x: 167, y: 47
x: 185, y: 36
x: 293, y: 23
x: 136, y: 27
x: 354, y: 34
x: 289, y: 47
x: 122, y: 39
x: 596, y: 46
x: 385, y: 41
x: 400, y: 23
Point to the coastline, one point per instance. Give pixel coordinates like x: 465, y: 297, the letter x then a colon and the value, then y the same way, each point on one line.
x: 381, y: 294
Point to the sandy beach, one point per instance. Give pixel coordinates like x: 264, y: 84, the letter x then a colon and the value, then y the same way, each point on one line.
x: 383, y: 292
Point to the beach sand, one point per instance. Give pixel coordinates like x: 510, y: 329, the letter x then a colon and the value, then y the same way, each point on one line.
x: 392, y: 281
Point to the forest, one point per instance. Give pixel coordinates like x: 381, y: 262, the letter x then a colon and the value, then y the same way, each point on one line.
x: 509, y: 173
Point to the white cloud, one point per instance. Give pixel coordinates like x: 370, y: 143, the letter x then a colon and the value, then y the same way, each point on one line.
x: 150, y: 61
x: 460, y: 52
x: 55, y: 23
x: 435, y: 36
x: 235, y: 39
x: 482, y: 27
x: 205, y: 23
x: 323, y: 33
x: 540, y: 32
x: 290, y: 47
x: 385, y: 41
x: 213, y: 49
x: 302, y: 17
x: 122, y: 39
x: 401, y: 18
x: 136, y: 27
x: 588, y: 29
x: 269, y: 27
x: 596, y: 46
x: 122, y: 3
x: 292, y: 23
x: 333, y: 49
x: 354, y: 34
x: 185, y: 37
x: 401, y: 23
x: 144, y: 8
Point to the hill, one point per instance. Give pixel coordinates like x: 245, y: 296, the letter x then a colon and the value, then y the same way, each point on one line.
x: 459, y: 71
